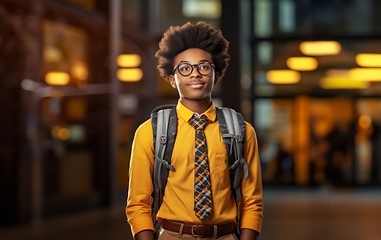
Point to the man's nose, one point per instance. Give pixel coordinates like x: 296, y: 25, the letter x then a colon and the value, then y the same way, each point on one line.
x: 195, y: 72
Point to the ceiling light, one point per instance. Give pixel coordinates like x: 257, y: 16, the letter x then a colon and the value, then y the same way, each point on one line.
x: 283, y: 76
x: 342, y: 83
x: 368, y: 60
x: 320, y: 48
x: 57, y: 78
x: 302, y: 63
x: 365, y: 74
x: 130, y: 74
x: 128, y: 60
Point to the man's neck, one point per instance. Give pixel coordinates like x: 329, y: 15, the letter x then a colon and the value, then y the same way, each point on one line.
x: 197, y: 106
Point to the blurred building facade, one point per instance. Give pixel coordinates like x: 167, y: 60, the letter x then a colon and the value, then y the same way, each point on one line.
x: 78, y: 76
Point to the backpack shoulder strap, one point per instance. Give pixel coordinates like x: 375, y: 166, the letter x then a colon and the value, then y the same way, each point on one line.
x: 232, y: 127
x: 164, y: 125
x: 233, y: 130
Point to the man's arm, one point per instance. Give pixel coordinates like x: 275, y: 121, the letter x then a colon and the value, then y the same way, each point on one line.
x: 248, y: 234
x: 251, y: 206
x: 144, y: 235
x: 138, y: 208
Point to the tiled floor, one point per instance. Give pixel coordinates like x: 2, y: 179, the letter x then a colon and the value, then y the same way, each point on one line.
x: 290, y: 214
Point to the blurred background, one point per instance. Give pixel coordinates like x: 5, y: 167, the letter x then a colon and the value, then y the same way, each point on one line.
x: 78, y: 76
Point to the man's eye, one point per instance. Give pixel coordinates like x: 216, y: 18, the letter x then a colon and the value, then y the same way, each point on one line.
x: 184, y: 68
x: 204, y: 67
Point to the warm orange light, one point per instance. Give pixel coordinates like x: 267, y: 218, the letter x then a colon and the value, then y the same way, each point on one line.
x: 128, y: 60
x: 365, y: 74
x: 302, y: 63
x: 53, y: 54
x: 61, y: 133
x: 365, y: 121
x: 57, y: 78
x: 130, y: 74
x: 64, y: 133
x: 368, y: 60
x: 79, y: 71
x: 283, y: 76
x: 320, y: 48
x: 342, y: 83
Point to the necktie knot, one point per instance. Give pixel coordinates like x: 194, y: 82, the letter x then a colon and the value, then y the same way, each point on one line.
x: 199, y: 122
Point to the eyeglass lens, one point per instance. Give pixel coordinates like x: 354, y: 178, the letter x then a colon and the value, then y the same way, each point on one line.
x: 186, y: 69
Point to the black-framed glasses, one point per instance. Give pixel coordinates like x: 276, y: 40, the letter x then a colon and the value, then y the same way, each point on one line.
x: 186, y: 69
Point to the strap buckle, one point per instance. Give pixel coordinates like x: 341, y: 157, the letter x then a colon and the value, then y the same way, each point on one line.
x: 238, y: 138
x: 196, y: 235
x: 163, y: 139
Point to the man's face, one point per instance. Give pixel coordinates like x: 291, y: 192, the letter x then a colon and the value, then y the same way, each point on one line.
x: 198, y: 85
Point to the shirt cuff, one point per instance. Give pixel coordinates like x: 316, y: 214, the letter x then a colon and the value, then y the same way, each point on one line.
x: 251, y: 221
x: 141, y: 223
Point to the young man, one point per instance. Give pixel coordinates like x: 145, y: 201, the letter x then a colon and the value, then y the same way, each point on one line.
x: 193, y: 58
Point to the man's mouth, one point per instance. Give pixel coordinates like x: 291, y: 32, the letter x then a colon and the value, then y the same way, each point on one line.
x: 196, y: 84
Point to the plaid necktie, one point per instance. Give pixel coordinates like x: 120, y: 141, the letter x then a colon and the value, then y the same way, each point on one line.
x: 202, y: 187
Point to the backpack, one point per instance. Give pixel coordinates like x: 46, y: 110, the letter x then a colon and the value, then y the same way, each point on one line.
x: 164, y: 124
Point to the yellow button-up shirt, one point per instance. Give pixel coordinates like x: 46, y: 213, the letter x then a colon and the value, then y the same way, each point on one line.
x: 178, y: 203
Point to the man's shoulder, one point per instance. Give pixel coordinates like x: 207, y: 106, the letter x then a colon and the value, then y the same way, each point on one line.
x: 145, y: 127
x: 163, y: 107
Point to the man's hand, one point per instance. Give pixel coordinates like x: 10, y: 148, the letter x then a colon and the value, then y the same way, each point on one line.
x: 248, y: 234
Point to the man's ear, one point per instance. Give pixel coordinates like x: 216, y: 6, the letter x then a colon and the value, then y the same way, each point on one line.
x: 171, y: 80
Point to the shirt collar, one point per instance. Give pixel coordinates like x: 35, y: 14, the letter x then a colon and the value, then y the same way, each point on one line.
x: 187, y: 114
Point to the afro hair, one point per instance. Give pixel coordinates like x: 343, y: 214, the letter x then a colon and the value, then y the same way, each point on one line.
x: 201, y: 35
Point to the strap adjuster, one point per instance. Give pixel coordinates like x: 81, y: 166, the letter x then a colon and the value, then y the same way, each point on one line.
x: 238, y: 138
x: 163, y: 139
